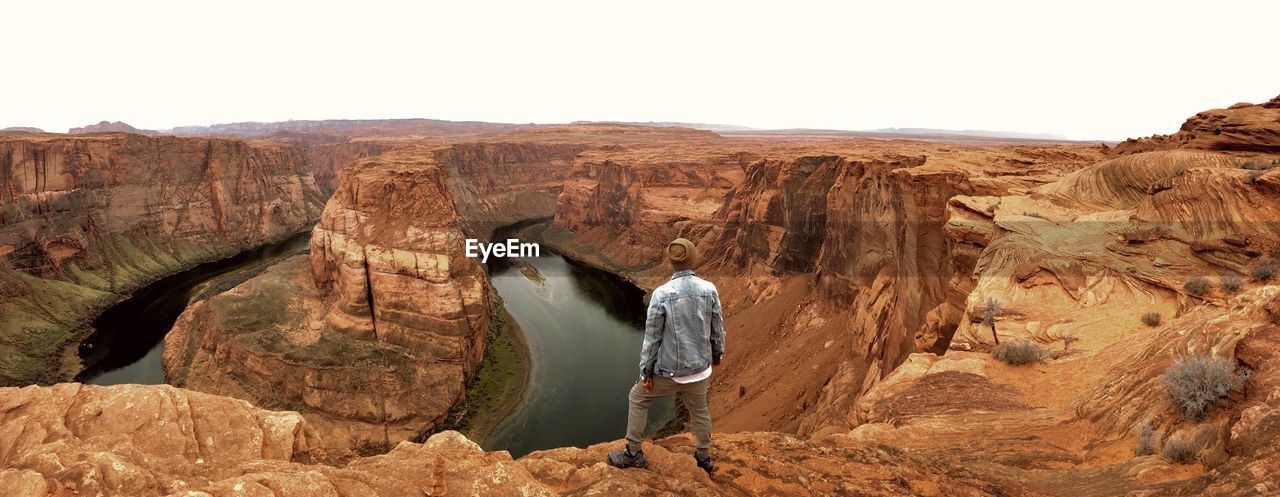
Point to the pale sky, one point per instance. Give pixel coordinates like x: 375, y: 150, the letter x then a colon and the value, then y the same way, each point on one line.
x: 1081, y: 69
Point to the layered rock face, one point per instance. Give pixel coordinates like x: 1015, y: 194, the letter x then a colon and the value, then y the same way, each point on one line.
x: 376, y: 335
x: 86, y: 220
x: 1139, y: 260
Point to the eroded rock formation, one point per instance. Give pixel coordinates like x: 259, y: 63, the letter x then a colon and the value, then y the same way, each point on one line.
x: 376, y: 337
x: 86, y: 220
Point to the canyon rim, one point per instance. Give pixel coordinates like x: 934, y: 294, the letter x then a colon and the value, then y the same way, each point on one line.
x: 301, y: 249
x: 854, y: 274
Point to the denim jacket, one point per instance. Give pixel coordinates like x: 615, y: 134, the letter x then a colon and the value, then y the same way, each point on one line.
x: 684, y: 330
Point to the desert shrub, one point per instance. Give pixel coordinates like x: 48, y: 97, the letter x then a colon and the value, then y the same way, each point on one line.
x: 1264, y: 270
x: 1195, y: 385
x: 1151, y: 319
x: 1033, y: 214
x: 1020, y: 352
x: 992, y: 308
x: 370, y: 448
x: 1179, y: 451
x: 1253, y: 176
x: 1068, y: 338
x: 991, y: 209
x: 1257, y: 165
x: 1198, y: 286
x: 1146, y: 435
x: 1231, y: 283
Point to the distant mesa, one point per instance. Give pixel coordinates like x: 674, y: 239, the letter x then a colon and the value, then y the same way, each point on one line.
x: 351, y: 127
x: 912, y: 133
x: 21, y: 129
x: 976, y: 133
x: 728, y: 128
x: 110, y: 127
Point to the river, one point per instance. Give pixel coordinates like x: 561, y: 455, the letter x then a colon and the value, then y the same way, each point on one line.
x: 583, y: 327
x: 128, y: 338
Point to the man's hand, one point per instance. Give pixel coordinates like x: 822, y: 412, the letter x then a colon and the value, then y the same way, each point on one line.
x: 647, y: 383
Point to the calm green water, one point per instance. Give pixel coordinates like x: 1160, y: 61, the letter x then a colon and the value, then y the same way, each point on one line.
x: 584, y: 329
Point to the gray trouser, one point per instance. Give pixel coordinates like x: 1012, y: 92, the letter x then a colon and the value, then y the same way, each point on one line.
x: 694, y: 396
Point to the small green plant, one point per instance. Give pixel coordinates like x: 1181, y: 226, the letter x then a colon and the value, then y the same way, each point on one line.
x: 1195, y: 385
x: 1180, y: 451
x: 1264, y: 270
x: 1198, y: 286
x: 1151, y: 318
x: 1146, y: 435
x: 1231, y: 283
x: 1019, y: 353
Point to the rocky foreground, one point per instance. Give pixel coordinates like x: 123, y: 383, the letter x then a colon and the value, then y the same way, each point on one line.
x: 73, y: 439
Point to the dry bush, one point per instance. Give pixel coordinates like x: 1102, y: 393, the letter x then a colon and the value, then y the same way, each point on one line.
x: 1231, y: 283
x: 1179, y: 451
x: 1146, y: 440
x: 1264, y: 270
x: 1257, y: 165
x: 1195, y: 385
x: 1020, y: 352
x: 1151, y: 319
x: 1198, y: 286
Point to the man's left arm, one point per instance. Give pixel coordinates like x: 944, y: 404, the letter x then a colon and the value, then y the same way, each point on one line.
x: 717, y: 329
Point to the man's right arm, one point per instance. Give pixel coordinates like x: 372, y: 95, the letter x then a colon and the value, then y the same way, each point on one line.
x: 654, y: 324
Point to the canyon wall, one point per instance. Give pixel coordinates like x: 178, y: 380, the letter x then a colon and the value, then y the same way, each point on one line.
x: 327, y: 160
x: 621, y: 205
x: 86, y: 220
x: 831, y: 257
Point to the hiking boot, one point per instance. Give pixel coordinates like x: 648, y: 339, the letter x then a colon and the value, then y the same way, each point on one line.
x: 705, y: 463
x: 628, y: 459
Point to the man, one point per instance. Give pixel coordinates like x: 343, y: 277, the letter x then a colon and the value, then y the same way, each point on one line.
x: 683, y: 339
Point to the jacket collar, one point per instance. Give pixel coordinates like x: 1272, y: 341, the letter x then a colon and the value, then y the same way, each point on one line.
x: 682, y: 273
